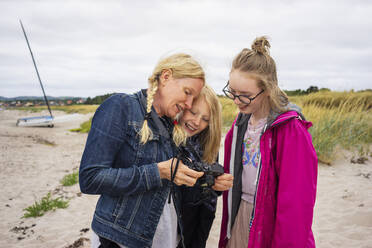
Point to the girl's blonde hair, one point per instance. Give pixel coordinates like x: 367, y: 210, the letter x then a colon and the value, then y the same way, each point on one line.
x: 182, y: 66
x: 261, y: 66
x: 210, y: 137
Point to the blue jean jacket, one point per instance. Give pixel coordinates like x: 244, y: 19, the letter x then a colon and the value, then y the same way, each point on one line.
x: 124, y: 172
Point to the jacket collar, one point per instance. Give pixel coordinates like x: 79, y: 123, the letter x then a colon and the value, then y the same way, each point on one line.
x: 162, y: 124
x: 274, y: 118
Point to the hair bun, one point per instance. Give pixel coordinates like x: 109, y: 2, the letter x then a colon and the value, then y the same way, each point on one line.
x: 261, y: 45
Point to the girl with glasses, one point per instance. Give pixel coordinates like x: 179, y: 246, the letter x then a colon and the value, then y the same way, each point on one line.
x: 269, y: 152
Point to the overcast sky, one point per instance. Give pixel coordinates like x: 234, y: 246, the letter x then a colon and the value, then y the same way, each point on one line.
x: 89, y: 48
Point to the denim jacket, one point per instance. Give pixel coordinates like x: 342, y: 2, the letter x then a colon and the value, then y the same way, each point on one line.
x: 124, y: 172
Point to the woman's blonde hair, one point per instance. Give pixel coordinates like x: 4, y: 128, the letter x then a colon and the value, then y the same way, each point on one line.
x: 258, y: 62
x: 210, y: 137
x: 182, y: 66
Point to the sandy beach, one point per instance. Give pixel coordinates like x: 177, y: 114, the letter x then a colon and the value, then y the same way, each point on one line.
x: 34, y: 160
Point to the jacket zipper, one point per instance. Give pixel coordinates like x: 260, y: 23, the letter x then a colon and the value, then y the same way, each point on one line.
x: 259, y: 169
x: 257, y: 182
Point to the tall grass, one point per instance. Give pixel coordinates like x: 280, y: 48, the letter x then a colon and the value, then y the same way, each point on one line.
x: 229, y: 111
x: 348, y: 128
x: 340, y: 120
x: 79, y: 108
x: 347, y: 101
x: 84, y: 127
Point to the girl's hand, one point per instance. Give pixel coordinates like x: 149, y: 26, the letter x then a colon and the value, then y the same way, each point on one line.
x: 184, y: 175
x: 223, y: 182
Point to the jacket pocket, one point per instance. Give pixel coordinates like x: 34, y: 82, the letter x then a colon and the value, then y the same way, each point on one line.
x: 127, y: 211
x: 142, y: 153
x: 120, y: 206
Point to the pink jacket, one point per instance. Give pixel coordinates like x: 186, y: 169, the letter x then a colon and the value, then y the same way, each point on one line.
x: 285, y: 195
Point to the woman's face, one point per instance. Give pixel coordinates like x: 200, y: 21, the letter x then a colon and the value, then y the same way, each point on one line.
x: 197, y: 118
x: 176, y: 94
x: 242, y: 83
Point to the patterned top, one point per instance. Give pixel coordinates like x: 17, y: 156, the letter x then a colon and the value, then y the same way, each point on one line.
x: 251, y: 157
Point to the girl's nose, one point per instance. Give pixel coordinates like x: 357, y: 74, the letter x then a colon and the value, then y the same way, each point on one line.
x: 237, y: 101
x: 197, y: 121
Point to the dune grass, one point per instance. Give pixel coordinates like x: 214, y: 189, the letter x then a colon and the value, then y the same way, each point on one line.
x: 340, y: 120
x: 78, y: 108
x: 348, y: 128
x: 39, y: 208
x: 347, y: 101
x: 229, y: 111
x: 70, y: 179
x: 84, y: 127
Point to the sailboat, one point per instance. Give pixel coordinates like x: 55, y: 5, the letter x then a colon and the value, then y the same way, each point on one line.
x: 37, y: 121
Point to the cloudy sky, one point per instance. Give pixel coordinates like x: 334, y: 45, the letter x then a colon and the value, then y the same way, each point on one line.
x: 89, y: 48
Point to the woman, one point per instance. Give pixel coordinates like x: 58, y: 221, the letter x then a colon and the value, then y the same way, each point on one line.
x: 270, y: 153
x: 128, y: 158
x: 202, y: 124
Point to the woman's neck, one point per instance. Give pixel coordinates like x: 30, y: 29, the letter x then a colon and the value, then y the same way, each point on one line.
x: 156, y: 104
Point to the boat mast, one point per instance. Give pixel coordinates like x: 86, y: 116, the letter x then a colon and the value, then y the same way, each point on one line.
x: 37, y: 72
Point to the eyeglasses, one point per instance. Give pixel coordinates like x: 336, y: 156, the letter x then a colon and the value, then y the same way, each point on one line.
x: 243, y: 98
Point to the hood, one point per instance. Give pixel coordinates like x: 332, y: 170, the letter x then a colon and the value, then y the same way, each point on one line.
x: 292, y: 111
x: 275, y: 118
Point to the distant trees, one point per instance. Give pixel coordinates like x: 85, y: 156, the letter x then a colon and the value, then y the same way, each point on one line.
x: 299, y: 92
x: 98, y: 99
x: 312, y: 89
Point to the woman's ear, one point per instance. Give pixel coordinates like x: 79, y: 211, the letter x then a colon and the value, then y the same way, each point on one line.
x: 165, y: 76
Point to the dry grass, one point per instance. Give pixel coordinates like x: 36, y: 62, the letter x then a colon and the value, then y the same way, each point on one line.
x: 80, y: 108
x: 84, y: 127
x: 229, y: 111
x: 340, y: 119
x: 347, y: 101
x: 345, y: 123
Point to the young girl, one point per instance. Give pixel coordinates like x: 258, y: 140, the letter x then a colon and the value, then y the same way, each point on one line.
x: 270, y: 153
x: 202, y: 124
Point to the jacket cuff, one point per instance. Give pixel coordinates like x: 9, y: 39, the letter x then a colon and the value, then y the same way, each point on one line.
x: 152, y: 176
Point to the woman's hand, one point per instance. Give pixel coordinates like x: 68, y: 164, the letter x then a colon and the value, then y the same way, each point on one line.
x: 223, y: 182
x: 184, y: 175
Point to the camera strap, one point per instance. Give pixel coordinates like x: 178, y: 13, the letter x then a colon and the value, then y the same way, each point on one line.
x: 173, y: 176
x: 172, y: 194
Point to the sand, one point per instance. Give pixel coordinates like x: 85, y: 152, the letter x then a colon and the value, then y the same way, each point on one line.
x: 31, y: 166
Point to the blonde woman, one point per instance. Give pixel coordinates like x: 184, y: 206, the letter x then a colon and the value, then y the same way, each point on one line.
x: 202, y: 124
x: 270, y: 153
x: 128, y: 157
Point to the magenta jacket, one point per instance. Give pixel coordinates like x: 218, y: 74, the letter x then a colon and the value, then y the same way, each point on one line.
x: 286, y: 183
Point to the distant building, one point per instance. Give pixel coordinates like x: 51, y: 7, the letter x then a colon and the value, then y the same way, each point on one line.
x: 29, y: 104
